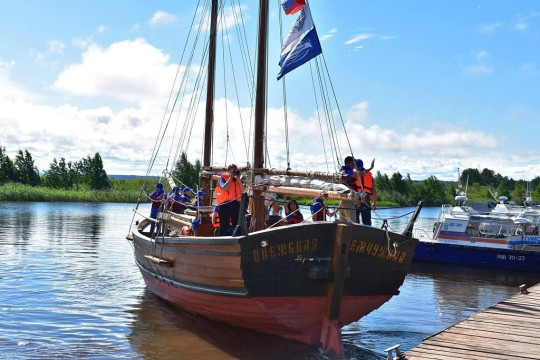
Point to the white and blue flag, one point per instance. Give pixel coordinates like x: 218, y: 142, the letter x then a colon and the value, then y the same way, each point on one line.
x: 305, y: 50
x: 302, y: 24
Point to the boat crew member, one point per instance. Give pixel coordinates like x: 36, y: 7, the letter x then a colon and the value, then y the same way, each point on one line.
x: 347, y: 208
x: 156, y: 198
x: 319, y: 210
x: 229, y: 190
x: 366, y: 184
x: 199, y: 201
x: 187, y: 195
x: 292, y: 213
x: 176, y: 201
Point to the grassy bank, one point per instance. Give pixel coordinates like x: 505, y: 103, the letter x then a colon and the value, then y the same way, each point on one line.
x: 19, y: 192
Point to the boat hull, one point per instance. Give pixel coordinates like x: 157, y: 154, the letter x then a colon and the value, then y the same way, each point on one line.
x: 521, y: 260
x: 277, y: 281
x: 296, y: 318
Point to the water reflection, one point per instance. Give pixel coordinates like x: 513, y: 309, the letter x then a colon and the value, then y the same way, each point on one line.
x: 69, y: 288
x: 161, y: 331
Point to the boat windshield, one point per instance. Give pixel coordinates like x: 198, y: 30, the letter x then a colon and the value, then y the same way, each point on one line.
x: 499, y: 229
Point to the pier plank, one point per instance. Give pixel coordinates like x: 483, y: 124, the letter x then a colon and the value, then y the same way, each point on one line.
x: 506, y: 330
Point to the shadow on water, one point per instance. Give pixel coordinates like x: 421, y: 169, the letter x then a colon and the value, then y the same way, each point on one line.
x: 162, y: 331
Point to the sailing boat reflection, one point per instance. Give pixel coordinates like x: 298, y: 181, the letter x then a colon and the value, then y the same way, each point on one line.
x: 162, y: 331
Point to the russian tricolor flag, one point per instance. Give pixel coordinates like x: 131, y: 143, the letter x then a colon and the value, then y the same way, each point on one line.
x: 292, y: 6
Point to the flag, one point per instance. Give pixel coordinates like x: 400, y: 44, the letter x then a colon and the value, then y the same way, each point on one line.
x: 301, y: 25
x: 292, y: 6
x: 305, y: 50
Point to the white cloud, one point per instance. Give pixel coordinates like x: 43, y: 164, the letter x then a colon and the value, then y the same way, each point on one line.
x: 102, y: 28
x: 83, y: 43
x: 358, y: 38
x: 38, y: 57
x: 129, y: 70
x: 162, y: 18
x: 10, y: 90
x: 56, y: 46
x: 330, y: 34
x: 480, y: 65
x: 489, y: 28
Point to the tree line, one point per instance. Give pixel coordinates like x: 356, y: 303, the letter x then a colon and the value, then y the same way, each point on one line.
x: 433, y: 192
x: 87, y: 172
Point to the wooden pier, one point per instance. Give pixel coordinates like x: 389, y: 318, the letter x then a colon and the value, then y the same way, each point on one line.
x: 507, y: 330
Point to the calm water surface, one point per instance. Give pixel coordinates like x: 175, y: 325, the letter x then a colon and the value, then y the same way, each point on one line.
x: 69, y: 288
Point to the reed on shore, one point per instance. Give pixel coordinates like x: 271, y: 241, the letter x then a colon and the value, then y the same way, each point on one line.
x: 19, y: 192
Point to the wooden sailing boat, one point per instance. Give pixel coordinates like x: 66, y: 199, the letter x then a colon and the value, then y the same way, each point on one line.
x: 302, y: 281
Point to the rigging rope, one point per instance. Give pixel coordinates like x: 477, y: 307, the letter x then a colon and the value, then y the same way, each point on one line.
x: 318, y: 116
x: 284, y: 89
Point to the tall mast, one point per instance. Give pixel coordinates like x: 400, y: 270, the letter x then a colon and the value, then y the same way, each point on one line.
x: 260, y: 111
x: 209, y: 121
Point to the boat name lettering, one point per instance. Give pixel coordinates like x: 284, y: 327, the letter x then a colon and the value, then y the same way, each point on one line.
x: 381, y: 251
x: 511, y: 257
x: 284, y: 249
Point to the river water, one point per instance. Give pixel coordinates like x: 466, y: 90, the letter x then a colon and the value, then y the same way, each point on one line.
x: 69, y: 288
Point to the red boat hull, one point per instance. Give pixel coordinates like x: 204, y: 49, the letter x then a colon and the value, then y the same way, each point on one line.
x: 297, y: 318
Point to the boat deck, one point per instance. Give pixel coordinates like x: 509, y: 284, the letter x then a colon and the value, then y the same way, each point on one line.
x: 507, y: 330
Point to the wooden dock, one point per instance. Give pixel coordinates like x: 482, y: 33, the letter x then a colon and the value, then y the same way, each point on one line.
x: 507, y: 330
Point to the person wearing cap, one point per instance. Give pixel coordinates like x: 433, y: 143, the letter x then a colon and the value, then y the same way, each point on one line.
x: 199, y: 201
x: 187, y: 195
x: 156, y: 198
x: 366, y: 187
x: 292, y: 213
x: 347, y: 207
x: 319, y: 211
x: 177, y: 202
x: 229, y: 190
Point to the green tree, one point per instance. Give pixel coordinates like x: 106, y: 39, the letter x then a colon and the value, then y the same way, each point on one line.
x: 7, y: 168
x: 488, y: 178
x: 518, y: 195
x: 503, y: 189
x: 431, y: 191
x: 472, y: 176
x: 60, y: 174
x: 382, y: 182
x: 27, y: 172
x: 91, y: 172
x: 185, y: 172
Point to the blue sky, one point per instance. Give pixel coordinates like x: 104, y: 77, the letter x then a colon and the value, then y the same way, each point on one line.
x: 425, y: 87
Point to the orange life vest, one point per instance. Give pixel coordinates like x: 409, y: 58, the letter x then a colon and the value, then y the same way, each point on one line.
x: 367, y: 182
x: 216, y: 219
x: 233, y: 193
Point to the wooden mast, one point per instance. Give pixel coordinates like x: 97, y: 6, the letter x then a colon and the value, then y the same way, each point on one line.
x: 260, y: 112
x: 209, y: 121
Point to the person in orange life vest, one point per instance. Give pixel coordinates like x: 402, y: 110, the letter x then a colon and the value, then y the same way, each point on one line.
x: 156, y: 198
x: 176, y: 201
x: 367, y: 186
x: 229, y: 189
x: 347, y: 208
x: 292, y: 213
x: 216, y: 222
x: 199, y: 201
x: 319, y: 210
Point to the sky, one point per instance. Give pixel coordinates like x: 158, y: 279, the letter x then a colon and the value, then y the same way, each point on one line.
x: 424, y: 87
